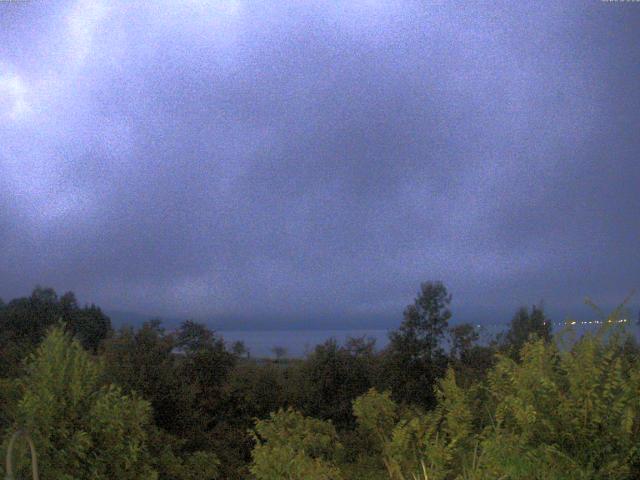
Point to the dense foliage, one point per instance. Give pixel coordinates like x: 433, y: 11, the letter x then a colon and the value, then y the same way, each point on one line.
x: 25, y: 321
x: 435, y: 404
x: 84, y: 429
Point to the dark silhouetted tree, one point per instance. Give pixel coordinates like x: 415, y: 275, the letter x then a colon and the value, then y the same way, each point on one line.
x: 332, y: 377
x: 525, y: 324
x: 279, y: 352
x: 415, y: 358
x: 142, y: 361
x: 463, y: 337
x: 470, y: 360
x: 25, y: 321
x: 239, y: 349
x: 193, y: 336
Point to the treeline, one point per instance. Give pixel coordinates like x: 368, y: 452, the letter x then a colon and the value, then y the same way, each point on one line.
x: 145, y: 403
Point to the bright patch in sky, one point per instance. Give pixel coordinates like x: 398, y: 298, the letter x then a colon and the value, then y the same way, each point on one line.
x: 13, y: 97
x: 83, y: 22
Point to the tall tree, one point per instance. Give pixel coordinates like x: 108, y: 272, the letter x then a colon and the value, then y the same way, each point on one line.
x: 142, y: 361
x: 332, y: 377
x: 470, y: 360
x: 205, y: 365
x: 415, y: 358
x: 193, y: 336
x: 523, y: 326
x: 279, y: 352
x: 463, y: 337
x: 239, y: 349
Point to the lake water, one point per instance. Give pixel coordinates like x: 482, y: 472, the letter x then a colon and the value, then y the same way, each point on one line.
x: 299, y: 342
x: 296, y: 342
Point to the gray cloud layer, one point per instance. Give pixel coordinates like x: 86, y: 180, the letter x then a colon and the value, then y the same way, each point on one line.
x: 275, y: 162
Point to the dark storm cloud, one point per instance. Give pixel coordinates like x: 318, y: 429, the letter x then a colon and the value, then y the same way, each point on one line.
x: 313, y: 162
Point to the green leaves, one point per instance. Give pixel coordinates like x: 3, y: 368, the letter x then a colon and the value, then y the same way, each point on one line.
x: 82, y: 429
x: 547, y: 413
x: 414, y: 444
x: 291, y: 446
x: 415, y: 358
x: 377, y: 414
x: 565, y: 414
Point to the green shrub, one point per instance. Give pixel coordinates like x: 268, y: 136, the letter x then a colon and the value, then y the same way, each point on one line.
x: 291, y: 446
x: 82, y: 428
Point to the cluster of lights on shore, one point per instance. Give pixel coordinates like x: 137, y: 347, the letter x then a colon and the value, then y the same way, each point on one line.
x: 596, y: 322
x: 569, y: 322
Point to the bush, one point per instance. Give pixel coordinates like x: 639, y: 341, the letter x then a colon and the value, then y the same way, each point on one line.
x: 82, y: 428
x: 291, y: 446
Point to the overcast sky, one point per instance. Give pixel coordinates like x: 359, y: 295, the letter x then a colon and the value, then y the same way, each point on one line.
x: 309, y: 163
